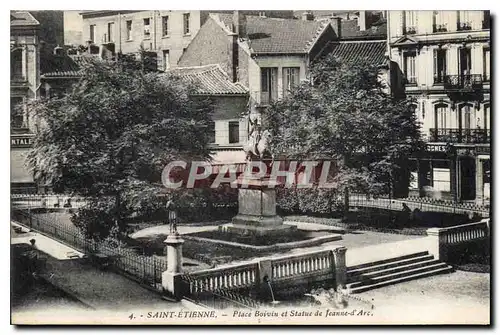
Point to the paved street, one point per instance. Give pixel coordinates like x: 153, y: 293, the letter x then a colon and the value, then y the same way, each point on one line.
x: 96, y: 288
x: 457, y: 297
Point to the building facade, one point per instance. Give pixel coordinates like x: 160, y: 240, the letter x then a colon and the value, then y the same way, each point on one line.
x: 24, y: 86
x: 166, y: 32
x: 445, y: 57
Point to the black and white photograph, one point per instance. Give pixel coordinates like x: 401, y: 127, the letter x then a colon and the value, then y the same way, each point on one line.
x: 250, y: 167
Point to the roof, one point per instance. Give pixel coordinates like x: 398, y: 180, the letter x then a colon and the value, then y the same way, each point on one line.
x: 22, y: 19
x: 211, y: 80
x: 356, y: 51
x: 64, y: 66
x: 350, y: 30
x: 271, y: 35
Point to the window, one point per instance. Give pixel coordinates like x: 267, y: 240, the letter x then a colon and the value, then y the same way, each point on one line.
x: 441, y: 116
x: 262, y: 14
x: 409, y: 22
x: 147, y: 31
x: 234, y: 132
x: 129, y: 30
x: 463, y: 20
x: 16, y: 65
x: 211, y: 132
x: 165, y: 25
x: 466, y: 117
x: 487, y: 117
x: 438, y: 22
x: 290, y: 78
x: 486, y: 64
x: 439, y: 65
x: 111, y: 31
x: 409, y: 67
x: 441, y: 179
x: 92, y: 33
x: 186, y: 23
x: 269, y: 84
x: 16, y: 112
x: 464, y: 61
x: 166, y: 60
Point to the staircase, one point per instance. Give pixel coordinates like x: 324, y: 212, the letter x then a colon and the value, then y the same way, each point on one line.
x: 395, y: 270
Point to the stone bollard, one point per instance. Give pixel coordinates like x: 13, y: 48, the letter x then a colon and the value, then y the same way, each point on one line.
x: 340, y: 267
x: 171, y: 279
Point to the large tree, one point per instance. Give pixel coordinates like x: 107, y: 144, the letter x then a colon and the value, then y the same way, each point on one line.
x: 109, y: 137
x: 345, y: 114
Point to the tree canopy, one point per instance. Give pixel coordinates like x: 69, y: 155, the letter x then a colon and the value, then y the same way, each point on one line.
x: 109, y: 137
x: 345, y: 114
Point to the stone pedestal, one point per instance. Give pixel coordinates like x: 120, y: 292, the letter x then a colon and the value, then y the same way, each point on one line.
x: 257, y: 209
x: 171, y: 277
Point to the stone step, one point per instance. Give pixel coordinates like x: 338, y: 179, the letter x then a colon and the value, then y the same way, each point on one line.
x: 396, y: 269
x: 403, y: 278
x: 387, y: 277
x: 366, y: 270
x: 387, y: 260
x: 394, y: 275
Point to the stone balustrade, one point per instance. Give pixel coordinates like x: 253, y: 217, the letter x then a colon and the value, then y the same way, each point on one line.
x: 442, y: 239
x: 240, y: 276
x: 283, y: 271
x: 303, y: 264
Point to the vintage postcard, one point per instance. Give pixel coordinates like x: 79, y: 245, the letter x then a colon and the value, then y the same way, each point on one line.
x: 253, y: 167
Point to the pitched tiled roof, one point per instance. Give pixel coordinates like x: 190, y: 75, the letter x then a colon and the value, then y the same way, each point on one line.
x: 356, y: 51
x: 22, y: 19
x: 210, y: 80
x: 271, y: 35
x: 64, y: 65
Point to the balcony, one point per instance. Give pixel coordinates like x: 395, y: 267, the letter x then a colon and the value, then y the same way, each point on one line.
x: 468, y: 82
x: 439, y: 28
x: 410, y: 30
x: 457, y: 135
x: 464, y: 26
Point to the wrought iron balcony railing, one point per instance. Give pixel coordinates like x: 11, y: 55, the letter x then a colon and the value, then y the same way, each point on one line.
x: 410, y: 30
x: 438, y: 28
x: 463, y: 82
x: 461, y: 26
x: 456, y: 135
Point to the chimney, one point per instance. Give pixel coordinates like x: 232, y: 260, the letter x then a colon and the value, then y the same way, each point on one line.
x: 362, y: 20
x: 307, y: 16
x: 233, y: 56
x: 239, y: 23
x: 336, y: 23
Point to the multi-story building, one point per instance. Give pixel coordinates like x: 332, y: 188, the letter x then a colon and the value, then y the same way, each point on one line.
x: 166, y: 32
x: 24, y: 86
x: 270, y: 56
x: 445, y: 57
